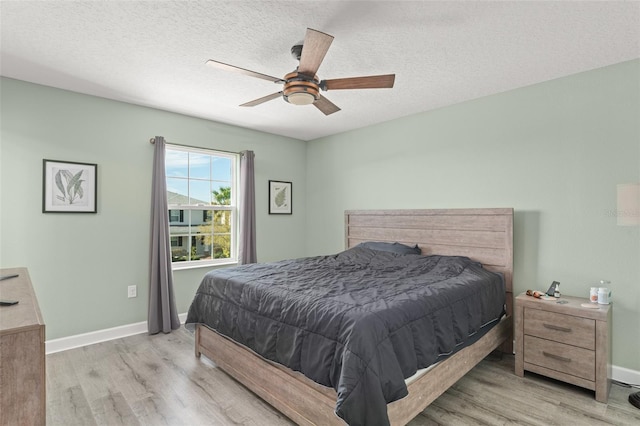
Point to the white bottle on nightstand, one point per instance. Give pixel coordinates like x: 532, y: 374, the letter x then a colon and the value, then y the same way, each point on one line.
x: 604, y: 293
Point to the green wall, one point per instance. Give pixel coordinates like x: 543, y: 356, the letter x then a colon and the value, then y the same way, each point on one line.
x: 81, y: 264
x: 553, y: 151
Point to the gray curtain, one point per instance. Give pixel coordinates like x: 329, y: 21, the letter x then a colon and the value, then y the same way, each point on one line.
x: 162, y: 305
x: 247, y: 246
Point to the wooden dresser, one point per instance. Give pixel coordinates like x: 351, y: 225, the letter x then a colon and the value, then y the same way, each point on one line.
x: 22, y: 358
x: 565, y: 341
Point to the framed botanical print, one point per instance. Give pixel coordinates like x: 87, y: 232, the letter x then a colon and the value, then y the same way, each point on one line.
x: 280, y: 197
x: 69, y: 187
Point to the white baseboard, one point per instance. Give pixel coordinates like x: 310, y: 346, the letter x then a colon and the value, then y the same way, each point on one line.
x: 625, y: 375
x: 93, y: 337
x: 620, y: 374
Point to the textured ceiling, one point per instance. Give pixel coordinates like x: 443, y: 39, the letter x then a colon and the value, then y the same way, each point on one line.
x: 152, y: 53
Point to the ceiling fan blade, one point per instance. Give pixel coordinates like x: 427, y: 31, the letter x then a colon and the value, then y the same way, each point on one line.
x: 370, y: 82
x: 315, y: 46
x: 262, y: 99
x: 326, y: 106
x: 227, y: 67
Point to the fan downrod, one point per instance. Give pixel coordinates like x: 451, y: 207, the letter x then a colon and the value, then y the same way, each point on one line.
x: 296, y: 50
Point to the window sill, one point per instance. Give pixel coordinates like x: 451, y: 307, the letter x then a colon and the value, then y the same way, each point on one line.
x: 177, y: 267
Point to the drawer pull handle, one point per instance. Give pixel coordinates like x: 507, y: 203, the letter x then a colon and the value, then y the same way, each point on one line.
x: 556, y: 328
x: 558, y: 357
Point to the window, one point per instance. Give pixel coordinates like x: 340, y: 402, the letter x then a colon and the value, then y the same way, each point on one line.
x: 176, y: 241
x: 176, y: 216
x: 202, y: 194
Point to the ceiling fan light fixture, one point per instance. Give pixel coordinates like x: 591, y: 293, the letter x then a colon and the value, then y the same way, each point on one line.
x: 300, y: 90
x: 301, y: 98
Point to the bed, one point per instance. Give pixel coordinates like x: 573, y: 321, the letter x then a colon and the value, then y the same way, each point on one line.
x: 483, y: 235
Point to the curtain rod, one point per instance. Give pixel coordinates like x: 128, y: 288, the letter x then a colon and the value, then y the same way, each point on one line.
x: 152, y: 141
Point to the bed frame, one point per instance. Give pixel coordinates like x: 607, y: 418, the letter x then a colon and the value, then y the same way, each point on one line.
x: 485, y: 235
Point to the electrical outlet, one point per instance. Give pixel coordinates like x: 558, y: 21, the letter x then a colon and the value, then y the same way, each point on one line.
x: 132, y: 291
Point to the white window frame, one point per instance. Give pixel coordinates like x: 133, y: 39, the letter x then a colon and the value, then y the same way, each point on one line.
x: 233, y: 208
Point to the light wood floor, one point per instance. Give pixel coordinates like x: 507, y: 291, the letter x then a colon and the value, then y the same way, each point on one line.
x: 157, y: 380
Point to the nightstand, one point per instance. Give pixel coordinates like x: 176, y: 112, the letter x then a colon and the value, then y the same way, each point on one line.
x: 565, y: 341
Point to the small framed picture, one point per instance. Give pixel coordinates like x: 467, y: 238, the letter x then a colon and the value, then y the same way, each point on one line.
x: 69, y: 187
x: 280, y: 199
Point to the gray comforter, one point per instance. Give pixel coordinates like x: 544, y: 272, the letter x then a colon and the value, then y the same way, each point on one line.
x: 360, y: 321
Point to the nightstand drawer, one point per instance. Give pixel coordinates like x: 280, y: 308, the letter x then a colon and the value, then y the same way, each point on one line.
x: 567, y: 329
x: 560, y: 357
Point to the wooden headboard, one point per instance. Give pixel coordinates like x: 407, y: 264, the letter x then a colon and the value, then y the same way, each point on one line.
x: 485, y: 235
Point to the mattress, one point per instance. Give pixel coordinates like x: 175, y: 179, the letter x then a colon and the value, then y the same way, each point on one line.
x: 360, y: 321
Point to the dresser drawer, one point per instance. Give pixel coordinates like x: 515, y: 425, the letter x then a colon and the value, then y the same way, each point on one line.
x: 556, y: 356
x: 567, y: 329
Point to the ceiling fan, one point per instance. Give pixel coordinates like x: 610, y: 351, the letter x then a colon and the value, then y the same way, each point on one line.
x: 302, y: 86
